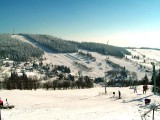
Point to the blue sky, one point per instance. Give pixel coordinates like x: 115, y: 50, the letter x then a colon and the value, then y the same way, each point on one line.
x: 122, y: 22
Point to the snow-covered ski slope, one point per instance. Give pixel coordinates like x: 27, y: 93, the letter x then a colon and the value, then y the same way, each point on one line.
x: 97, y: 68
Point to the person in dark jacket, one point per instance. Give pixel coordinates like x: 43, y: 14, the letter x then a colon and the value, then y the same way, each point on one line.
x: 113, y: 94
x: 119, y: 93
x: 145, y: 87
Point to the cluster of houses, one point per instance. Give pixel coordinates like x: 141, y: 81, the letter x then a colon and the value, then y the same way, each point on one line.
x: 29, y: 68
x: 34, y: 68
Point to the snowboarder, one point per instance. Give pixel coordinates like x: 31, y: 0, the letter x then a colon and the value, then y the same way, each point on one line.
x: 119, y: 93
x: 1, y: 102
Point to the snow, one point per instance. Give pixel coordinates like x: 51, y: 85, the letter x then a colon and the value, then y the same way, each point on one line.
x: 151, y: 54
x: 78, y: 104
x: 83, y: 104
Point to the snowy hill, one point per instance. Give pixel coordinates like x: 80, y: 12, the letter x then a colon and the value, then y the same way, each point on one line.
x: 97, y: 68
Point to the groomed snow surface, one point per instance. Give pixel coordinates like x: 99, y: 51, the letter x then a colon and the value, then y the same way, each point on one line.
x: 78, y: 104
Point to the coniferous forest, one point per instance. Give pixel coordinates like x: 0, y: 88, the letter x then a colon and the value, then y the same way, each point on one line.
x: 21, y: 51
x: 17, y: 50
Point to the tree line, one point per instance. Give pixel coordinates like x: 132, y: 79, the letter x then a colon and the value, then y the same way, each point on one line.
x: 25, y: 83
x: 17, y: 50
x: 20, y: 51
x: 53, y: 43
x: 64, y: 46
x: 104, y: 49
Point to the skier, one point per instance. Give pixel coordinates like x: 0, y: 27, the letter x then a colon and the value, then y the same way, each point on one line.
x: 145, y: 87
x: 135, y: 89
x: 113, y: 94
x: 7, y: 102
x: 119, y: 93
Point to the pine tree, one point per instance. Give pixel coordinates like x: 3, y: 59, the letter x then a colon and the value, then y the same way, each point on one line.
x: 124, y: 73
x: 145, y: 80
x: 158, y: 79
x: 157, y: 82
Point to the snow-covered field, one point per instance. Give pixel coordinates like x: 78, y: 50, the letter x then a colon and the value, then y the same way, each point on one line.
x: 149, y: 53
x: 82, y: 104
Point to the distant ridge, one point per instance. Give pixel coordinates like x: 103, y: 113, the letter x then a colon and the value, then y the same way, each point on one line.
x: 150, y: 48
x: 142, y: 48
x: 130, y: 47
